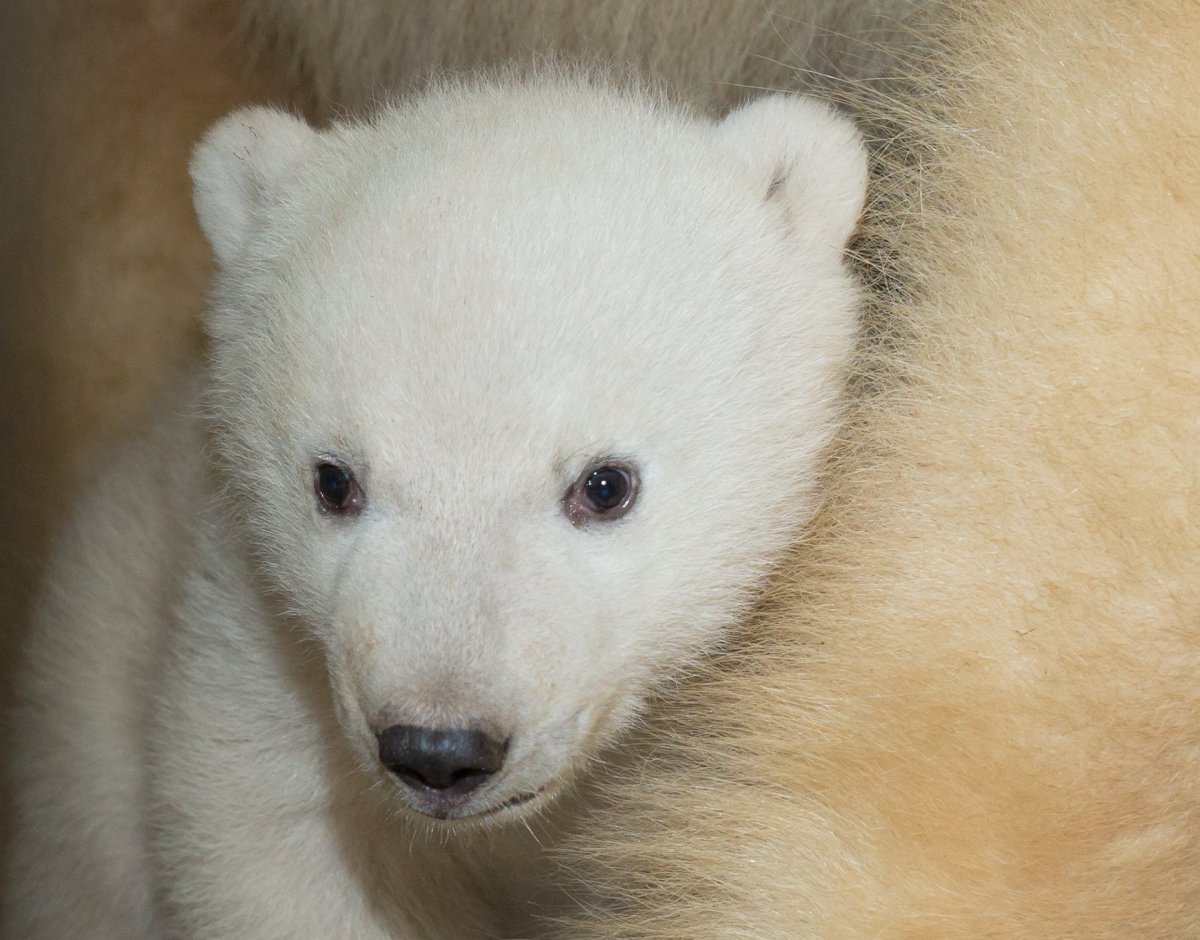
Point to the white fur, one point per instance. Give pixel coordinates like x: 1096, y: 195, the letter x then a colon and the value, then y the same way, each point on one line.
x: 469, y: 299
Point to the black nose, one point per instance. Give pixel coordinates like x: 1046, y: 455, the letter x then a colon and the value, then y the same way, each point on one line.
x: 453, y: 761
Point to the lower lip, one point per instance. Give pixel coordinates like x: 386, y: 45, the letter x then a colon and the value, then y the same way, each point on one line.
x: 518, y: 800
x: 511, y: 803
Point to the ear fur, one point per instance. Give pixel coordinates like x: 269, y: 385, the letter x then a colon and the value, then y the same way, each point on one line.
x: 237, y: 170
x: 810, y: 157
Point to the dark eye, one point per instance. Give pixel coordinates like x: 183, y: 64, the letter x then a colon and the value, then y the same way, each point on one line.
x: 602, y: 492
x: 337, y: 490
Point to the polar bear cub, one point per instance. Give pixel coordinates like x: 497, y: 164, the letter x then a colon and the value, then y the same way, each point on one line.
x: 515, y: 393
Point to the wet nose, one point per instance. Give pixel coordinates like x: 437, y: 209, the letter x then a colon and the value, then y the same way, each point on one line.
x: 450, y: 761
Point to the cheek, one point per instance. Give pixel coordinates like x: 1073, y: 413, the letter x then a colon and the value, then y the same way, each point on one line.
x: 306, y: 558
x: 310, y: 572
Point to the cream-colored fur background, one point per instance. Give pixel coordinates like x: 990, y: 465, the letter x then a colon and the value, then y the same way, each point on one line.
x: 973, y: 711
x: 970, y: 710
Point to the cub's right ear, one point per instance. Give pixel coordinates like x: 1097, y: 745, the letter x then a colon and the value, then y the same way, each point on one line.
x: 238, y: 169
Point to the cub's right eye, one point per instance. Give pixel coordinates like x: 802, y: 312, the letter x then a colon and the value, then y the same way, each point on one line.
x: 337, y: 490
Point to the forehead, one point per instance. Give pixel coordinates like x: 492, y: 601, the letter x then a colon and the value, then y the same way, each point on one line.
x: 450, y: 273
x: 522, y: 188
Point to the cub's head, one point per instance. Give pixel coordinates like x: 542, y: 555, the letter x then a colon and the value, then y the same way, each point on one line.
x: 520, y: 389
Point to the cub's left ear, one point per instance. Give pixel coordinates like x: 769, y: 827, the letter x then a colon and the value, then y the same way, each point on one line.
x: 238, y: 169
x: 809, y: 157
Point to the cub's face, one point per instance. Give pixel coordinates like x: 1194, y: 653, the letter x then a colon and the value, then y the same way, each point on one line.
x: 524, y: 387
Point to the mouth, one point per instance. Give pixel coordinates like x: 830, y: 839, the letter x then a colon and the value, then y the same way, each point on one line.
x: 454, y: 812
x: 520, y: 799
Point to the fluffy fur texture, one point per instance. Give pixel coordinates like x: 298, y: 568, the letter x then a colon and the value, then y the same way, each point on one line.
x: 971, y: 711
x: 102, y: 265
x: 470, y: 301
x: 713, y: 53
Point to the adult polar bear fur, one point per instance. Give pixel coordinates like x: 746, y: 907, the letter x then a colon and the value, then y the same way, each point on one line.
x: 401, y: 597
x: 714, y: 53
x: 972, y: 710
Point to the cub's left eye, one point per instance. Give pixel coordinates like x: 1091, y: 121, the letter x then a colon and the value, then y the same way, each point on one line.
x: 337, y: 490
x: 603, y: 492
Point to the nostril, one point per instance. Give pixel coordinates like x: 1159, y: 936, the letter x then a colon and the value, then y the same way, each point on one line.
x: 448, y: 760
